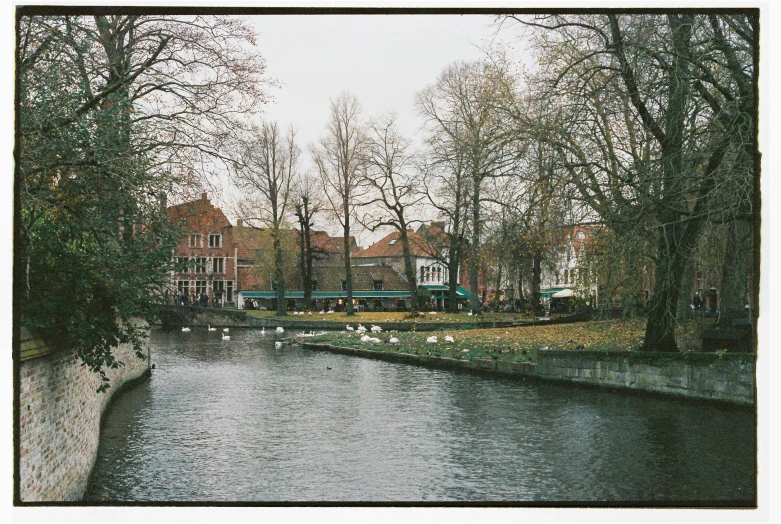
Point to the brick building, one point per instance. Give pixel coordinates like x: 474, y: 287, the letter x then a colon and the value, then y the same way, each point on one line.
x: 208, y: 251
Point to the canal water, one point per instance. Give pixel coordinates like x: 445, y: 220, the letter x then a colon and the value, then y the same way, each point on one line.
x: 242, y: 421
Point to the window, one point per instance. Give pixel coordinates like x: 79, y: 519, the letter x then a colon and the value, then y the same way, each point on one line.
x: 218, y: 287
x: 392, y: 242
x: 439, y: 273
x: 200, y: 265
x: 422, y: 272
x: 215, y: 240
x: 229, y: 291
x: 428, y: 273
x: 200, y: 287
x: 377, y: 285
x: 217, y: 265
x: 344, y: 285
x: 195, y: 240
x: 183, y: 286
x: 181, y: 265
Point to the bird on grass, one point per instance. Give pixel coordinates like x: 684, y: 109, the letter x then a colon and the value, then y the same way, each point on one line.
x: 376, y: 329
x: 350, y: 328
x: 432, y: 340
x: 185, y: 330
x: 393, y: 340
x: 449, y: 339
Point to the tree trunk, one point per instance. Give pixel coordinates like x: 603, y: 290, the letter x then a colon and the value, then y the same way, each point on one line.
x: 536, y: 280
x: 683, y: 311
x: 279, y: 274
x: 409, y: 271
x: 734, y: 276
x: 675, y: 246
x: 496, y: 288
x: 348, y: 273
x: 474, y: 260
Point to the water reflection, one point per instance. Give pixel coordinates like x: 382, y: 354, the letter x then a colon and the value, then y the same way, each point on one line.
x: 243, y: 421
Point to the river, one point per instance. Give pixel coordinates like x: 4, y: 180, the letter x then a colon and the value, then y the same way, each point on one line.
x: 242, y: 421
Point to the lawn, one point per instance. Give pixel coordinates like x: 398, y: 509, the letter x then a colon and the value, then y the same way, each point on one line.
x: 392, y: 316
x: 521, y: 344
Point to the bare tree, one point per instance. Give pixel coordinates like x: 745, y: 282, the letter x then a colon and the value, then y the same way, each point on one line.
x: 307, y: 202
x: 339, y: 158
x: 463, y: 104
x: 267, y: 169
x: 392, y: 179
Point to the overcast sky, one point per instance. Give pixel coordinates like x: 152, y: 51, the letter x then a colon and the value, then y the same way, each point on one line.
x: 383, y: 60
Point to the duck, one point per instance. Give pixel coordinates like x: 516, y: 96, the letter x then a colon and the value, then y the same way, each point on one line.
x: 277, y: 344
x: 211, y: 328
x: 449, y: 339
x: 225, y: 330
x: 393, y: 340
x: 225, y: 337
x: 432, y: 339
x: 280, y: 329
x: 185, y: 330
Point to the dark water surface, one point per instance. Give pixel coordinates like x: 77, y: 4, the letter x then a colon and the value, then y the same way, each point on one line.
x: 240, y: 420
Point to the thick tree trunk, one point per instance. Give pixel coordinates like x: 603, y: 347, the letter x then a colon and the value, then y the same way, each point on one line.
x: 452, y: 273
x: 683, y: 311
x: 675, y: 246
x: 735, y: 272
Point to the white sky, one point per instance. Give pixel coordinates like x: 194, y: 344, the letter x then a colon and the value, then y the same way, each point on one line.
x: 382, y: 59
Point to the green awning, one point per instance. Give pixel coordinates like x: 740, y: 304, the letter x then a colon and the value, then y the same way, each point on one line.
x: 549, y: 292
x: 433, y: 287
x: 461, y: 293
x: 326, y: 294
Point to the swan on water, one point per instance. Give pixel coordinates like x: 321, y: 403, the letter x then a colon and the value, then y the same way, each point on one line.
x: 280, y: 329
x: 211, y: 328
x: 225, y: 337
x: 185, y: 329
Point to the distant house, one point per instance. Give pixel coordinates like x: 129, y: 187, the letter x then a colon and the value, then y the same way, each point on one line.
x: 375, y: 288
x: 208, y: 251
x: 428, y: 256
x: 564, y: 272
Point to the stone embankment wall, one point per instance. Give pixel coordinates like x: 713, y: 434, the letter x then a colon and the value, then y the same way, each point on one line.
x: 729, y: 378
x: 59, y: 418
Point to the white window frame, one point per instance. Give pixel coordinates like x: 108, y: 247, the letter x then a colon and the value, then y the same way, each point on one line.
x: 196, y: 240
x: 219, y: 239
x: 221, y: 264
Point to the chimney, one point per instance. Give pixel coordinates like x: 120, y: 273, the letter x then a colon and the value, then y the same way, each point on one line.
x: 238, y: 222
x: 204, y: 196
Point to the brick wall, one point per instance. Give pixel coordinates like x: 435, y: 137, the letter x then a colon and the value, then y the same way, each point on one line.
x: 59, y: 418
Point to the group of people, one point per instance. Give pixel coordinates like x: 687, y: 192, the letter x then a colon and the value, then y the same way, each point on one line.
x: 184, y: 299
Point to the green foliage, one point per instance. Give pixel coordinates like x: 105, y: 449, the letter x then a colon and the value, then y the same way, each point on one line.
x: 93, y: 242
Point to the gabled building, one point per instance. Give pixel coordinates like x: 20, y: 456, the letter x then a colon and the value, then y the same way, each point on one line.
x: 208, y: 251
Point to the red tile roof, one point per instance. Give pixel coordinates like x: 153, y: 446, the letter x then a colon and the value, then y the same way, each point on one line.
x: 391, y: 246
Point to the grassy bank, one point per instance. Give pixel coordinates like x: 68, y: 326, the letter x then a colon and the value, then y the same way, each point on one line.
x: 520, y: 344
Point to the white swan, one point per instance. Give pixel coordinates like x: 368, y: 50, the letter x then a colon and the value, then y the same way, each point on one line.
x: 263, y: 331
x: 211, y: 328
x: 278, y: 344
x: 374, y: 340
x: 350, y: 328
x: 432, y: 340
x: 393, y: 340
x: 185, y: 330
x: 448, y: 338
x: 280, y: 329
x: 225, y: 330
x: 365, y: 338
x: 376, y: 329
x: 225, y: 337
